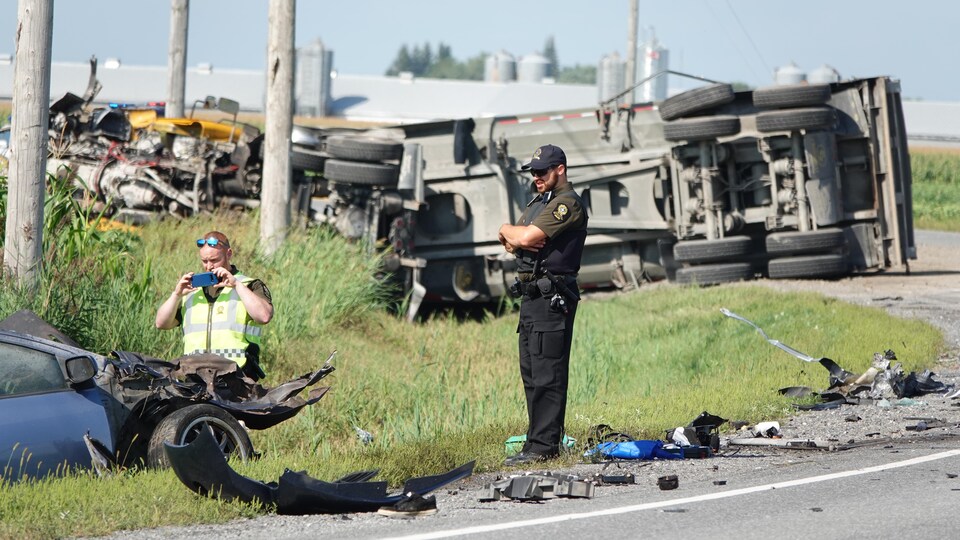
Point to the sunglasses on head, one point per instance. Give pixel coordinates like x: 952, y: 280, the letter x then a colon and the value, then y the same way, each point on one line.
x: 537, y: 173
x: 212, y: 242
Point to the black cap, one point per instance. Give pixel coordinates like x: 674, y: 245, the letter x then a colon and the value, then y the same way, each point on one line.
x: 545, y: 157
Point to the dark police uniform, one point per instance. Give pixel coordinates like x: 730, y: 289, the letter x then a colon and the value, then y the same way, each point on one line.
x: 546, y: 332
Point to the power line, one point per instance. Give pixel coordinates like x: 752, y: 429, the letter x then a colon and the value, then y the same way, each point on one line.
x: 750, y: 39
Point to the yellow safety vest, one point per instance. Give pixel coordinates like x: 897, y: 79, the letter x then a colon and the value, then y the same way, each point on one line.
x: 223, y: 328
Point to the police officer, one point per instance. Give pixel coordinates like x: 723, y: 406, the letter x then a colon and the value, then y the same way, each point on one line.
x: 225, y: 319
x: 548, y: 242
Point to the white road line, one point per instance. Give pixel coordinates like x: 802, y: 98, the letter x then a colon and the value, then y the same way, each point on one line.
x: 675, y: 502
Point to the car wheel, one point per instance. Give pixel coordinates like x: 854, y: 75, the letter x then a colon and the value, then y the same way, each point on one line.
x: 698, y: 129
x: 183, y: 425
x: 812, y: 266
x: 306, y: 160
x: 697, y: 251
x: 355, y: 172
x: 696, y: 100
x: 793, y: 119
x: 792, y: 95
x: 713, y: 274
x: 796, y: 242
x: 363, y: 148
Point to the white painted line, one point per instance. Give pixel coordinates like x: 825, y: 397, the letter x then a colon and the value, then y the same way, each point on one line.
x: 674, y: 502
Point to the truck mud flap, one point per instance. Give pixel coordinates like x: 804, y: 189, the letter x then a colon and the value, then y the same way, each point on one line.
x: 202, y: 467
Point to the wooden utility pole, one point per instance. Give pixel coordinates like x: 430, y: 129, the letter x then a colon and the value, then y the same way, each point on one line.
x: 631, y: 68
x: 23, y: 239
x: 177, y: 57
x: 275, y: 199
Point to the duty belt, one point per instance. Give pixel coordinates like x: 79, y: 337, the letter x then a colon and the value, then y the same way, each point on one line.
x: 528, y: 277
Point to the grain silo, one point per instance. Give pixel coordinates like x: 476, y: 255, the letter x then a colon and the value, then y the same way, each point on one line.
x: 789, y: 74
x: 532, y: 68
x: 500, y: 67
x: 610, y: 77
x: 655, y: 58
x: 823, y: 74
x: 313, y: 79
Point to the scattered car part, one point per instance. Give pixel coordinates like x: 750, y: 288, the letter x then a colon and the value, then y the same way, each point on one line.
x: 615, y: 479
x: 536, y: 487
x: 668, y: 482
x: 202, y: 467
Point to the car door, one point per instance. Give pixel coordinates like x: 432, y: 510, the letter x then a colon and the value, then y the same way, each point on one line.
x: 43, y: 419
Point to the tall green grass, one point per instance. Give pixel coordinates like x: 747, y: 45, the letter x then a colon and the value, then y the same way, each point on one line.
x: 936, y: 189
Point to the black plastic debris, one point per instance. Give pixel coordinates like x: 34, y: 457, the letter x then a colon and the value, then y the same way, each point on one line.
x: 202, y: 467
x: 668, y: 482
x: 536, y: 488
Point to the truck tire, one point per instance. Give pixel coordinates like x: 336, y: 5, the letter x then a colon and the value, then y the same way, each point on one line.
x: 696, y: 100
x: 363, y: 148
x: 792, y: 95
x: 306, y: 160
x: 713, y: 274
x: 812, y: 266
x: 698, y: 129
x: 796, y: 242
x: 794, y: 119
x: 360, y: 173
x: 183, y: 425
x: 698, y: 251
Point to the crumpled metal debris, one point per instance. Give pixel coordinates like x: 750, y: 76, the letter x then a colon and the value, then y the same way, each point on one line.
x: 202, y: 467
x: 537, y: 487
x: 881, y: 380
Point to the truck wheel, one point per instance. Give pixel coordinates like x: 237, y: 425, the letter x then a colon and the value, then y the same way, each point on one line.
x: 792, y: 95
x: 696, y: 100
x: 792, y: 243
x: 793, y: 119
x: 812, y: 266
x: 359, y: 173
x: 183, y: 425
x: 698, y: 129
x: 363, y: 148
x: 697, y: 251
x: 306, y: 160
x: 713, y: 274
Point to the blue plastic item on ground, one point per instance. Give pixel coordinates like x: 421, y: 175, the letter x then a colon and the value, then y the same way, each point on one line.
x: 632, y: 450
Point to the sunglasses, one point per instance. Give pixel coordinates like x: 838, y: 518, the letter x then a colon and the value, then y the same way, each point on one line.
x: 212, y: 242
x: 539, y: 173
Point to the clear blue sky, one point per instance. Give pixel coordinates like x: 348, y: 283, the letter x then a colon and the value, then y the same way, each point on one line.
x: 730, y: 40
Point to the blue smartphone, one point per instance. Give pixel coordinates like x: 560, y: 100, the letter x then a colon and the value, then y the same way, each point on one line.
x: 204, y: 279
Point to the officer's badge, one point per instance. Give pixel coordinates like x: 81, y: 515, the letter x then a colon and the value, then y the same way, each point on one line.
x: 220, y: 310
x: 561, y: 212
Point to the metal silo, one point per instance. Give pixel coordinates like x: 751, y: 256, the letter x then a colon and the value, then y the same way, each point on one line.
x: 789, y: 74
x: 500, y: 67
x: 313, y: 79
x: 655, y: 58
x: 824, y: 74
x: 610, y: 77
x: 532, y: 68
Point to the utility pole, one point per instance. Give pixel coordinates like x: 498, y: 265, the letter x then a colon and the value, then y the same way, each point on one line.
x: 23, y: 239
x: 177, y: 57
x: 631, y: 75
x: 275, y: 199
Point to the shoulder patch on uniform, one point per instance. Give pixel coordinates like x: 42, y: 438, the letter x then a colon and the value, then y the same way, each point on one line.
x: 561, y: 212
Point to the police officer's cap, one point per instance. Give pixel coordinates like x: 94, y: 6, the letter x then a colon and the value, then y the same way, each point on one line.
x: 545, y: 157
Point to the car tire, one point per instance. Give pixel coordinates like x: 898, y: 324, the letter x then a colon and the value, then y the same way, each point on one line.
x: 791, y: 95
x: 794, y: 119
x: 363, y: 148
x: 699, y: 251
x: 360, y: 173
x: 797, y: 242
x: 183, y: 425
x: 698, y: 129
x: 714, y: 274
x: 696, y: 100
x: 812, y: 266
x: 306, y: 160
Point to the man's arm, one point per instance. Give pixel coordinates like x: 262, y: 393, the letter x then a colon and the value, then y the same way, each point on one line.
x: 167, y: 313
x: 528, y: 237
x: 258, y: 307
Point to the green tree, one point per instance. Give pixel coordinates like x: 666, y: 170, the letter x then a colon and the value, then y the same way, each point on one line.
x: 578, y: 75
x: 550, y: 53
x: 401, y: 63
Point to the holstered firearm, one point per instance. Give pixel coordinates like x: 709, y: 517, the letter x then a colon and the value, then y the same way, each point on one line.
x: 561, y: 285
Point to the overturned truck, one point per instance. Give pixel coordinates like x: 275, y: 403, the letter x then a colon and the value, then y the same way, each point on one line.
x: 709, y: 186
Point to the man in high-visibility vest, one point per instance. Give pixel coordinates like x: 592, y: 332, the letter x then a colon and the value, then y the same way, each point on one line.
x: 225, y: 318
